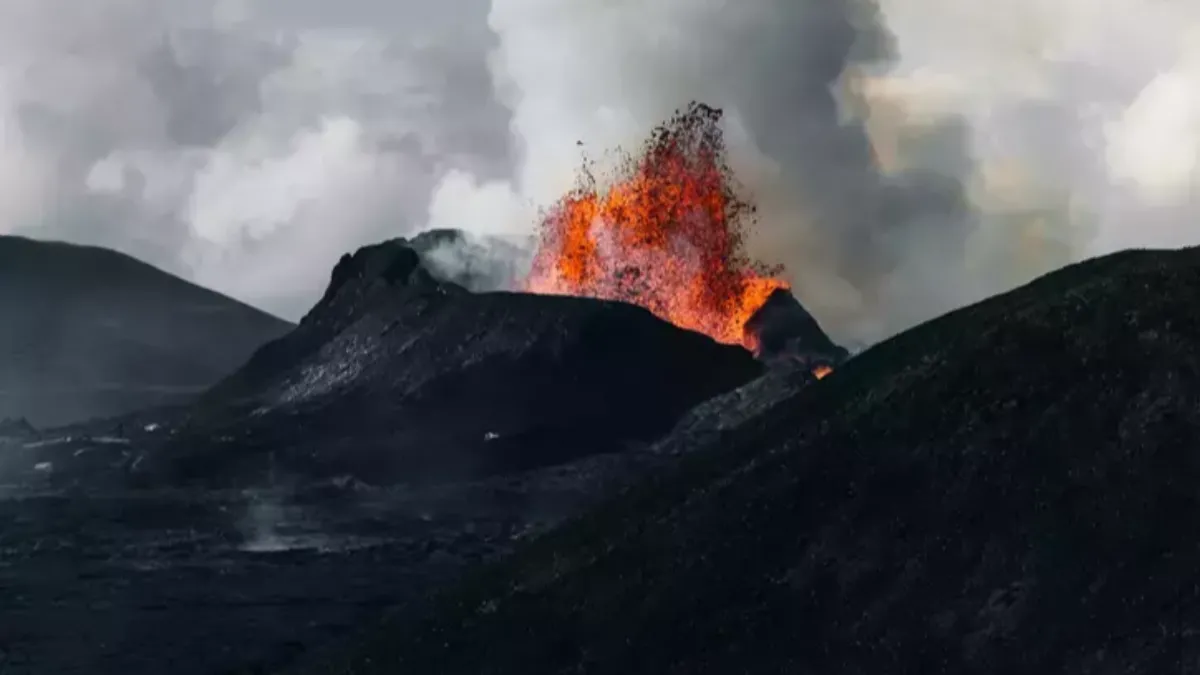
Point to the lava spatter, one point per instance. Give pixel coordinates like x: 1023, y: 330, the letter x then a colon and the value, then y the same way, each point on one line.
x: 665, y: 232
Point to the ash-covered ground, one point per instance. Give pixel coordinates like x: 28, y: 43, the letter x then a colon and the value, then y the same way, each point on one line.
x: 199, y: 581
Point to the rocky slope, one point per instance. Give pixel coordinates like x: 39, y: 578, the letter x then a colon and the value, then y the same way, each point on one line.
x: 89, y: 332
x: 1008, y: 489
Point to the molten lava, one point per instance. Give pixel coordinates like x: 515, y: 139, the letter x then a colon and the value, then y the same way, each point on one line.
x: 822, y: 370
x: 666, y: 234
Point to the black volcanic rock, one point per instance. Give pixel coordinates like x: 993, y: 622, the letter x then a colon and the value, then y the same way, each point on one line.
x: 785, y: 329
x: 1010, y: 488
x: 396, y: 376
x: 89, y: 332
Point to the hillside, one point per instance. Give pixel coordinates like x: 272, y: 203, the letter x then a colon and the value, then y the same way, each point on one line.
x: 1010, y: 488
x: 90, y: 332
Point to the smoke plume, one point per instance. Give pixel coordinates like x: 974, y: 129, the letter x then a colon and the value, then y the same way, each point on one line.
x: 908, y: 157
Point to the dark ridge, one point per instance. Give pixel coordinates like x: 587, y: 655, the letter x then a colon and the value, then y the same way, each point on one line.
x: 89, y: 332
x: 1010, y: 488
x: 477, y: 263
x: 375, y: 272
x: 397, y: 376
x: 357, y: 284
x: 784, y: 328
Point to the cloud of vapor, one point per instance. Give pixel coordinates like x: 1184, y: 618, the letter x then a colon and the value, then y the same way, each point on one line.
x: 1094, y: 101
x: 908, y: 156
x: 245, y: 144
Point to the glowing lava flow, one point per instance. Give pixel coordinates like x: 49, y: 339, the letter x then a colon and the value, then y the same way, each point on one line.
x: 666, y: 234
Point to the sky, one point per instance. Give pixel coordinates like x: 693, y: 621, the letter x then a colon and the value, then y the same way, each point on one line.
x: 908, y: 156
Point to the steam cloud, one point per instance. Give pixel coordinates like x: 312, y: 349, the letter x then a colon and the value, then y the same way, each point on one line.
x: 908, y: 156
x: 245, y: 144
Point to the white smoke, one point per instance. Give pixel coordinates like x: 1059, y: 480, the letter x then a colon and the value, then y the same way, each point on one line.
x: 245, y: 144
x: 260, y: 526
x: 1093, y: 100
x: 908, y: 158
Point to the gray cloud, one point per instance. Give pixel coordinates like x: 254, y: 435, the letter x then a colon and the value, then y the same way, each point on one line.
x: 605, y: 72
x: 243, y: 144
x: 908, y: 156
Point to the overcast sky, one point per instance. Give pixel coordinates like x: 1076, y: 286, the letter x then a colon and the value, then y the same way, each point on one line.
x: 243, y: 144
x: 909, y: 157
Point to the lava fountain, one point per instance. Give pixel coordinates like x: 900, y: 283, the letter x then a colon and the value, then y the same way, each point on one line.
x: 666, y: 232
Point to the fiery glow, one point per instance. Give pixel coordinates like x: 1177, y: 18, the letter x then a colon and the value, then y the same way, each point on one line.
x: 666, y: 234
x: 821, y: 371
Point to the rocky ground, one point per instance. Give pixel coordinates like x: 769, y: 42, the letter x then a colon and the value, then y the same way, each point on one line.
x: 108, y: 579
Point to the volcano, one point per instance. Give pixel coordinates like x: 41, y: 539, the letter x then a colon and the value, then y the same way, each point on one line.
x: 666, y: 231
x: 402, y: 371
x: 398, y: 376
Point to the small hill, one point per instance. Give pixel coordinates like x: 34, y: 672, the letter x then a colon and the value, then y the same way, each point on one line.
x: 89, y: 332
x: 1010, y: 488
x: 398, y: 376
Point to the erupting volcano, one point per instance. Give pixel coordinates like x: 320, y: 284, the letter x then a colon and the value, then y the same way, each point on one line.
x: 666, y: 233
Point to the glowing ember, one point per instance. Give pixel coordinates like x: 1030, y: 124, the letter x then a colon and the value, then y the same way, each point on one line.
x: 666, y: 234
x: 822, y: 371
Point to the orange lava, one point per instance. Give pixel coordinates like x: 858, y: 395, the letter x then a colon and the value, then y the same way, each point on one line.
x: 822, y: 371
x: 666, y: 234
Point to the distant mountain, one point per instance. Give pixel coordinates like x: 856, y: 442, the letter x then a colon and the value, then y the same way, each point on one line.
x: 89, y: 332
x: 1011, y: 488
x: 396, y: 375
